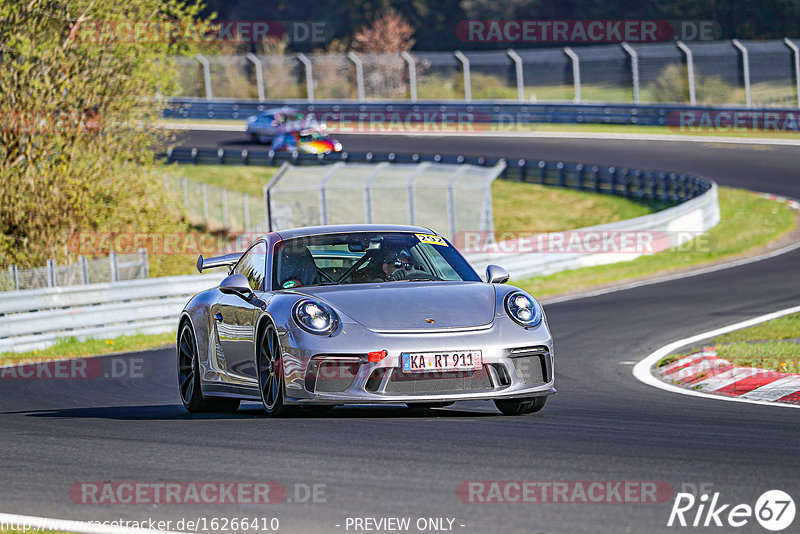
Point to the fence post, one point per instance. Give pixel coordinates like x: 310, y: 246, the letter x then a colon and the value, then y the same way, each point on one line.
x: 51, y: 273
x: 83, y: 265
x: 204, y: 202
x: 746, y: 71
x: 246, y: 211
x: 412, y: 74
x: 284, y: 168
x: 259, y: 75
x: 309, y: 75
x: 518, y: 70
x: 145, y: 261
x: 467, y: 78
x: 224, y: 208
x: 14, y: 276
x: 576, y: 72
x: 451, y: 202
x: 206, y: 74
x: 690, y: 69
x: 796, y: 53
x: 185, y: 191
x: 634, y: 70
x: 359, y: 74
x: 323, y: 199
x: 114, y: 267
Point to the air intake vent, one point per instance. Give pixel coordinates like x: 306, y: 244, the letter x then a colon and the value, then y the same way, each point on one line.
x: 530, y: 368
x: 420, y: 383
x: 334, y: 374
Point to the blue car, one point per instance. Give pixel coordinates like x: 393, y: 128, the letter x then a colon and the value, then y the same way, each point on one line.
x: 269, y: 123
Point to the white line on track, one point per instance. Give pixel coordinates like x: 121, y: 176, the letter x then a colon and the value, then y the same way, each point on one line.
x: 83, y: 527
x: 642, y: 370
x: 532, y: 135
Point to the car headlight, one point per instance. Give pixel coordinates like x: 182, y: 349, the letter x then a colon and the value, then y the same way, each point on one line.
x: 337, y: 146
x: 523, y: 309
x: 315, y: 317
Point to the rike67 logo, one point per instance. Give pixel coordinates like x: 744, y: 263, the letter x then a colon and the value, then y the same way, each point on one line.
x: 774, y: 510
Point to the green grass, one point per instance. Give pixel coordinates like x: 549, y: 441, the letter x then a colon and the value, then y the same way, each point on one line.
x: 518, y: 208
x: 747, y: 223
x: 246, y: 179
x: 72, y: 348
x: 787, y: 327
x: 773, y: 345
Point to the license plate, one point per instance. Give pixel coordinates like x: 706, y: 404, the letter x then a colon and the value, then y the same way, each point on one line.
x: 419, y: 362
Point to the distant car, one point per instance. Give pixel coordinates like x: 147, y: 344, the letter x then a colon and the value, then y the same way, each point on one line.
x: 266, y: 125
x: 361, y: 314
x: 308, y: 141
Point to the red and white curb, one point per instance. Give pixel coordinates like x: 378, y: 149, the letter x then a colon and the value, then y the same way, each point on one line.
x: 705, y: 371
x: 775, y: 386
x: 792, y: 203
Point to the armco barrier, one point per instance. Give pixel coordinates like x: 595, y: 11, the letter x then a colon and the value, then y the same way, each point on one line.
x: 690, y: 218
x: 34, y: 319
x: 629, y: 183
x: 466, y: 113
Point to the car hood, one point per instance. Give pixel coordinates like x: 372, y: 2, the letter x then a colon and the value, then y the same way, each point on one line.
x: 395, y: 306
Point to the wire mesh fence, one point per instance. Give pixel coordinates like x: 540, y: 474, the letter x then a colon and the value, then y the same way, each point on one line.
x: 113, y: 268
x: 655, y: 72
x: 448, y: 197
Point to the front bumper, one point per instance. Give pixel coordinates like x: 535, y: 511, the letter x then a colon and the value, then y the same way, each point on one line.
x: 522, y: 366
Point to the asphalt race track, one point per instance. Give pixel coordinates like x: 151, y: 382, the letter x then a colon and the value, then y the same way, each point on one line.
x: 375, y: 462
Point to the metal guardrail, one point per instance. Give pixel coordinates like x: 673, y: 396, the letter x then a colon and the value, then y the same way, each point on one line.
x: 678, y: 223
x: 37, y: 318
x: 465, y: 114
x: 629, y: 183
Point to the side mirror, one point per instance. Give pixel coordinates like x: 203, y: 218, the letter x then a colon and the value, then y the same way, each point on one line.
x: 496, y: 275
x: 237, y: 284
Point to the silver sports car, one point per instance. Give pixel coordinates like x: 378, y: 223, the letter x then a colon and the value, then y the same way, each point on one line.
x: 361, y: 314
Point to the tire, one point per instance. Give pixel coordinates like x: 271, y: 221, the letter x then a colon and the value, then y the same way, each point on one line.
x: 189, y: 386
x: 520, y: 406
x: 270, y: 373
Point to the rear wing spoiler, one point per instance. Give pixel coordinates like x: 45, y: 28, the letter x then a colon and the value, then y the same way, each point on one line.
x: 219, y: 261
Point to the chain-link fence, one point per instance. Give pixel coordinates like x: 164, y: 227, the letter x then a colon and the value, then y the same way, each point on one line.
x: 114, y: 268
x: 446, y: 197
x: 722, y: 72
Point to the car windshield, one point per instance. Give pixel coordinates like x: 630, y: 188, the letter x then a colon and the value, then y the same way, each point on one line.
x: 367, y: 257
x: 312, y: 136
